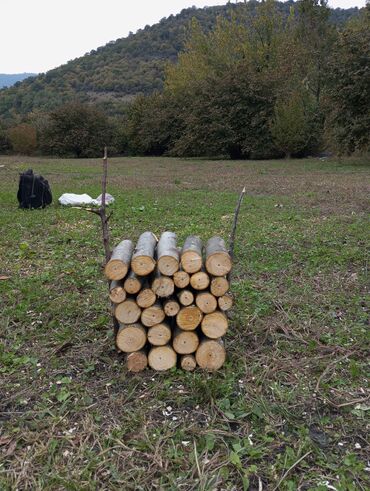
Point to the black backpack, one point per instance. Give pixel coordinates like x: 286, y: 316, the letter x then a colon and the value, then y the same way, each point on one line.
x: 34, y: 191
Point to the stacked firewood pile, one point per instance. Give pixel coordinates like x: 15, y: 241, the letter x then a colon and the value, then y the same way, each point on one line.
x: 170, y: 302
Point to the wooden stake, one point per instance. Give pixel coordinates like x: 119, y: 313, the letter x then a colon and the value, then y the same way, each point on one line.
x: 233, y: 230
x: 131, y: 338
x: 159, y: 335
x: 189, y: 318
x: 168, y: 257
x: 191, y: 254
x: 214, y: 325
x: 162, y: 358
x: 137, y: 361
x: 211, y: 354
x: 143, y: 262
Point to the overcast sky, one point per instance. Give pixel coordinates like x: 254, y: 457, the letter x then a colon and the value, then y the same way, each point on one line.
x: 37, y: 35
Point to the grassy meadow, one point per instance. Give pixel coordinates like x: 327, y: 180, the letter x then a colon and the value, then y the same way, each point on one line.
x: 288, y: 411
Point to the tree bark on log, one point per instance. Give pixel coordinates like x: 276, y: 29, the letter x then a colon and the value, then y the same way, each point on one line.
x: 127, y: 312
x: 168, y: 257
x: 137, y: 361
x: 206, y: 302
x: 200, y: 280
x: 185, y: 342
x: 214, y: 325
x: 163, y: 286
x: 131, y: 338
x: 211, y: 354
x: 143, y: 262
x: 181, y: 279
x: 117, y: 293
x: 191, y: 254
x: 225, y: 302
x: 171, y: 307
x: 218, y: 260
x: 189, y: 318
x: 119, y: 263
x: 162, y: 358
x: 153, y: 315
x: 159, y: 335
x: 133, y: 283
x: 219, y: 286
x: 185, y: 297
x: 188, y: 363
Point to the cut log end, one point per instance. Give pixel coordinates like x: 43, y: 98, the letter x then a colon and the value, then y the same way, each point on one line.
x: 210, y: 355
x: 188, y: 363
x: 191, y: 256
x: 115, y: 269
x: 225, y: 302
x: 189, y: 318
x: 117, y: 293
x: 171, y: 308
x: 146, y: 298
x: 219, y: 286
x: 159, y: 335
x: 185, y: 342
x: 131, y: 338
x: 143, y: 265
x: 137, y: 361
x: 200, y: 280
x: 206, y: 302
x: 162, y: 358
x: 152, y: 315
x: 168, y: 265
x: 218, y: 260
x: 127, y: 312
x: 163, y: 286
x: 181, y: 279
x: 185, y: 297
x: 133, y: 283
x: 214, y: 325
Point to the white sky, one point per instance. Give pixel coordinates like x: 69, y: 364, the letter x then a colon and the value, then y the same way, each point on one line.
x: 37, y: 35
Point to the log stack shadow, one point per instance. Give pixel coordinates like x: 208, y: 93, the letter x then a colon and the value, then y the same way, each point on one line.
x: 171, y: 302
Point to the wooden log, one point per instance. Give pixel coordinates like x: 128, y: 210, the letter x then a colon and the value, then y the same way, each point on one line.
x: 163, y: 286
x: 211, y: 354
x: 219, y: 286
x: 185, y: 297
x: 153, y: 315
x: 181, y: 279
x: 162, y: 358
x: 214, y: 325
x: 171, y: 307
x: 146, y: 297
x: 191, y: 254
x: 218, y: 260
x: 188, y: 363
x: 137, y: 361
x: 117, y: 293
x: 159, y: 335
x: 127, y: 312
x: 168, y: 257
x: 119, y: 263
x: 131, y: 338
x: 225, y: 302
x: 143, y: 262
x: 189, y: 318
x: 185, y: 342
x: 206, y: 302
x: 133, y: 283
x: 200, y: 280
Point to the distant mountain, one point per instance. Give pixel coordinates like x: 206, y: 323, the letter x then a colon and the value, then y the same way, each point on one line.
x: 113, y: 74
x: 7, y: 79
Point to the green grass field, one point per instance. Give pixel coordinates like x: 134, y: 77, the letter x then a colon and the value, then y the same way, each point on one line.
x: 288, y: 411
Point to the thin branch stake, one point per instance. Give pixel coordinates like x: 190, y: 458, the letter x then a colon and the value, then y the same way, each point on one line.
x: 233, y: 230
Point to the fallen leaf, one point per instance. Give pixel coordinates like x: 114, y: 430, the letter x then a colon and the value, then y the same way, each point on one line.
x: 4, y: 277
x: 11, y: 448
x: 4, y: 440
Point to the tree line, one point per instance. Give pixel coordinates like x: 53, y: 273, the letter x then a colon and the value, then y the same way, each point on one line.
x: 261, y: 86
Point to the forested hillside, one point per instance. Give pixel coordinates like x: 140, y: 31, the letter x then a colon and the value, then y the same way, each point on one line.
x: 112, y: 75
x: 7, y: 79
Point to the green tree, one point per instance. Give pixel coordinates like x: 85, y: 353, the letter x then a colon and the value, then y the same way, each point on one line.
x: 348, y: 122
x: 76, y: 129
x: 23, y: 138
